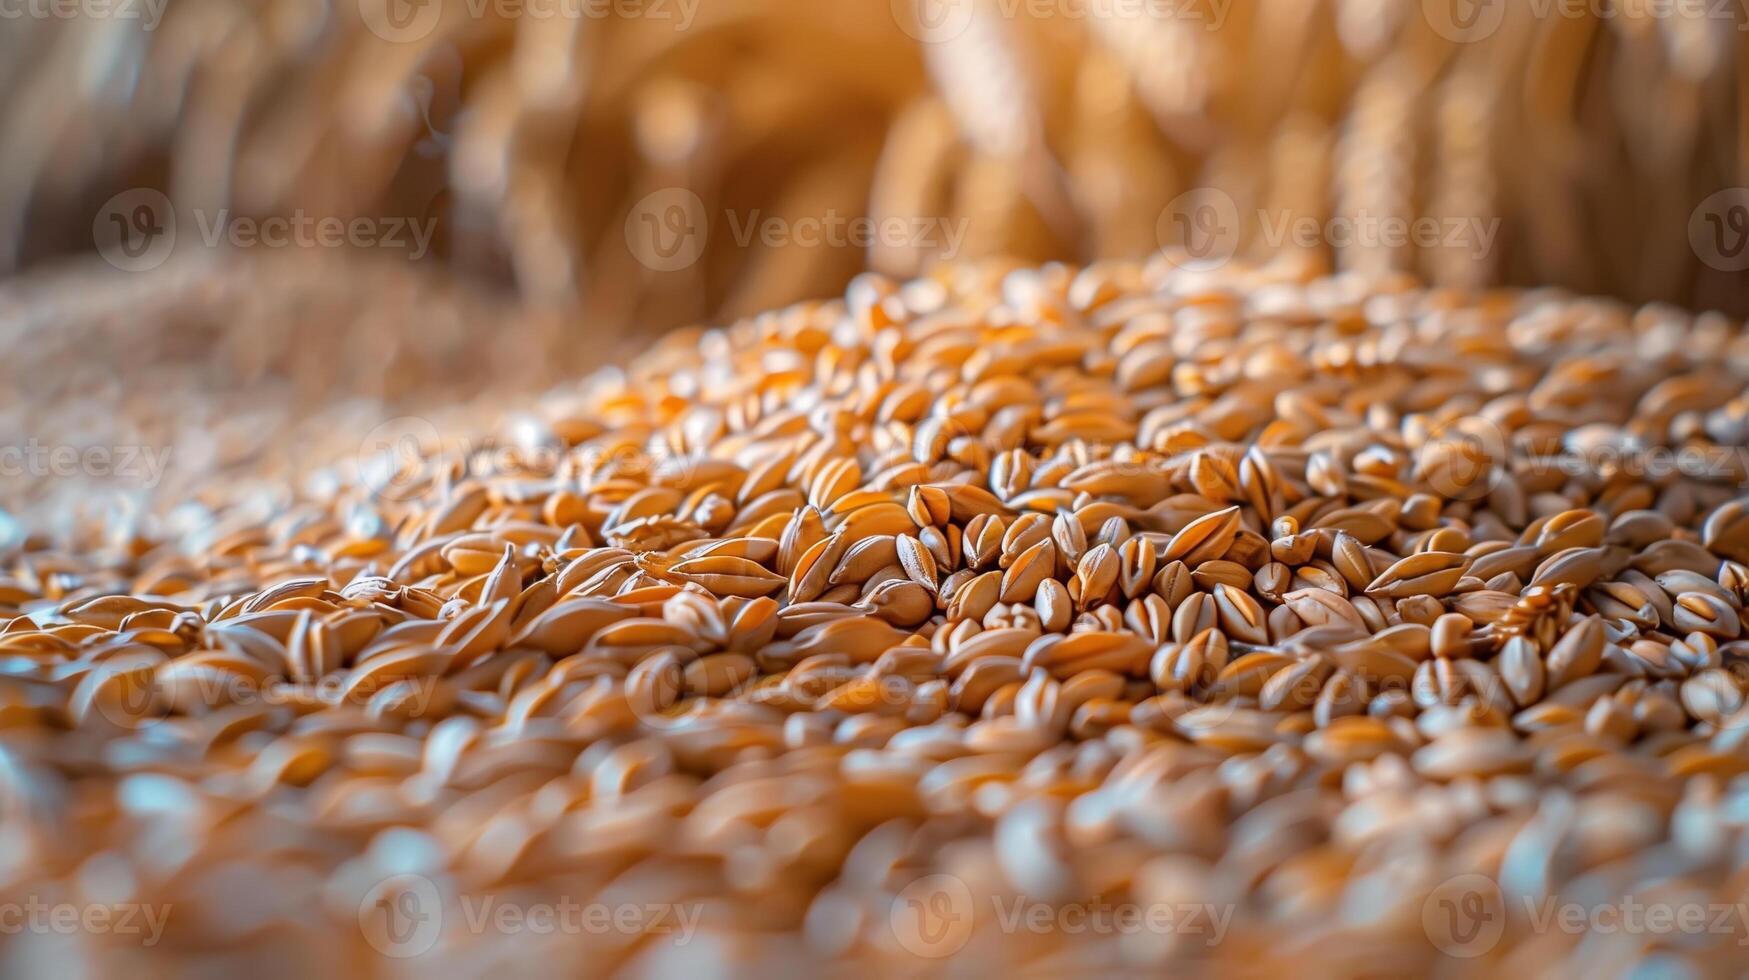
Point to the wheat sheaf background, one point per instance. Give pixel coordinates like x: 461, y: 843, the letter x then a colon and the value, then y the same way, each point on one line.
x: 1587, y: 144
x: 1591, y: 129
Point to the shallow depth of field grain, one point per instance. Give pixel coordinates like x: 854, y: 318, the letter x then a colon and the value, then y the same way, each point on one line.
x: 1356, y: 627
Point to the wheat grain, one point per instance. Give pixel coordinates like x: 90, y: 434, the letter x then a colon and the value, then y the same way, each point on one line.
x: 954, y: 577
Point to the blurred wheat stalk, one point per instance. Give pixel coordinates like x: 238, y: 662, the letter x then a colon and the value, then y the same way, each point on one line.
x: 1055, y: 129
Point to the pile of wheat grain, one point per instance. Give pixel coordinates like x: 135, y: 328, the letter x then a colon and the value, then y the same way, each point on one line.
x: 1361, y: 620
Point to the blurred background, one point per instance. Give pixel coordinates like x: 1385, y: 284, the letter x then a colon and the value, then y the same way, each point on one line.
x: 527, y: 132
x: 217, y: 216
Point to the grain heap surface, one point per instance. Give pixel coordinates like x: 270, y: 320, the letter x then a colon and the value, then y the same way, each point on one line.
x: 1305, y: 610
